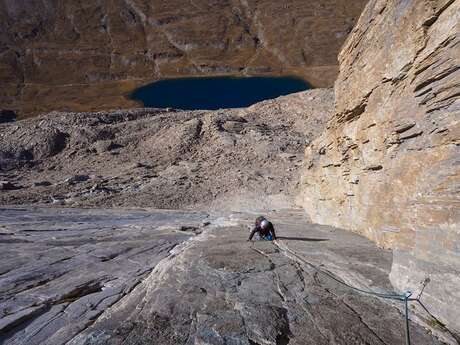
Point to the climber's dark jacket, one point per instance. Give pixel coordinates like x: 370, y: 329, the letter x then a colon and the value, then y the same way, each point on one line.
x: 265, y: 233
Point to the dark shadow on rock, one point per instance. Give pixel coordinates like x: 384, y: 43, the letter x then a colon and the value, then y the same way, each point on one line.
x: 7, y: 116
x: 304, y: 239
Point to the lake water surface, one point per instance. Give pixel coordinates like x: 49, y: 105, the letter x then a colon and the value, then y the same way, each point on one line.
x: 215, y: 92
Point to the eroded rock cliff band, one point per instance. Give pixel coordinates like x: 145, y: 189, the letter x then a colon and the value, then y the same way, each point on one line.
x: 388, y: 166
x: 61, y: 55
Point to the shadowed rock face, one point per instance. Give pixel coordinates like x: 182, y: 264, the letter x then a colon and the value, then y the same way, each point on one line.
x: 388, y: 165
x: 7, y: 116
x: 87, y: 277
x: 67, y: 55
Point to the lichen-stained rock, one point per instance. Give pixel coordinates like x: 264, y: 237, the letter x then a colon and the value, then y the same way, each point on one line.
x: 69, y: 55
x: 388, y: 166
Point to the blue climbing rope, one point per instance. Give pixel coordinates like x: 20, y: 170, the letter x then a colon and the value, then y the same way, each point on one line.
x: 406, y: 297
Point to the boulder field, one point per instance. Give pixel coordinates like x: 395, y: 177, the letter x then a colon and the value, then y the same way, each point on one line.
x: 164, y: 158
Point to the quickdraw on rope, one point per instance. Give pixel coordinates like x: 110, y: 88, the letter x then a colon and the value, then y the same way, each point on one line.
x: 401, y: 297
x: 405, y: 298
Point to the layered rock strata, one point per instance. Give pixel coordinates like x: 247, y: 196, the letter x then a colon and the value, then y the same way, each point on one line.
x: 388, y: 166
x: 61, y: 55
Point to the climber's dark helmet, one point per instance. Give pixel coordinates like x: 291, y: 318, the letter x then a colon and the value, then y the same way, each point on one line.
x: 264, y: 224
x: 259, y: 220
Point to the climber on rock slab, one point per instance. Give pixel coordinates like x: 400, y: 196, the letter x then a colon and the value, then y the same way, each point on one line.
x: 264, y: 230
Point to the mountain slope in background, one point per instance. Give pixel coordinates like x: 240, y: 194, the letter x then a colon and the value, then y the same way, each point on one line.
x: 81, y: 56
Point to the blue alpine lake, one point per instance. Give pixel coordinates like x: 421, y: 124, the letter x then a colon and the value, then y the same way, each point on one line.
x: 215, y: 92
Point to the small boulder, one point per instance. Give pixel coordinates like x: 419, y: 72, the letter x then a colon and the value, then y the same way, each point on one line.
x: 42, y: 184
x: 6, y: 185
x: 7, y: 116
x: 192, y: 229
x: 57, y: 201
x: 76, y: 179
x: 136, y: 166
x: 106, y: 146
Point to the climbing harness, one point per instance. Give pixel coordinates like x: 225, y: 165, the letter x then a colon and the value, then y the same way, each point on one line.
x: 405, y: 298
x: 268, y: 237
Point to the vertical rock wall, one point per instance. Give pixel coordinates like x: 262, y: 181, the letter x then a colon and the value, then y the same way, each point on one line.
x: 388, y: 165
